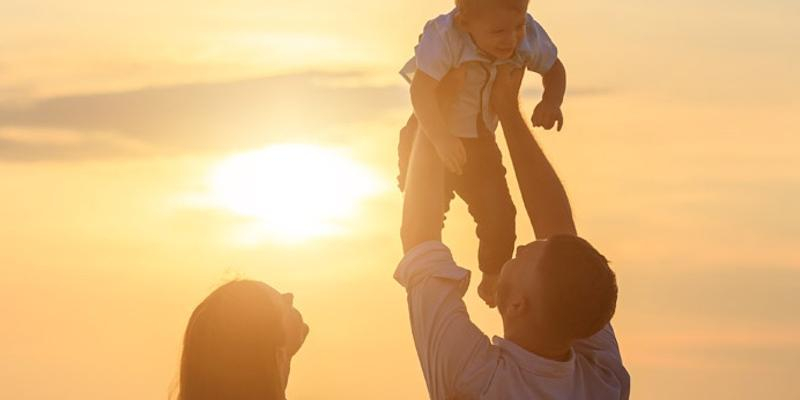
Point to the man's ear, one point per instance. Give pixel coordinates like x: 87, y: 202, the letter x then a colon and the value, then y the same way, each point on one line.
x: 516, y: 305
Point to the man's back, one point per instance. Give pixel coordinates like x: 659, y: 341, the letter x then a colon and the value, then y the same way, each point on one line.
x: 519, y: 374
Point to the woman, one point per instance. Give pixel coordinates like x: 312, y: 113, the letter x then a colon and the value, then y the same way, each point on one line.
x: 239, y: 344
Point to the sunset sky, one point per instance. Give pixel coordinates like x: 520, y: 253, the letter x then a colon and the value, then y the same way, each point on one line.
x: 150, y: 152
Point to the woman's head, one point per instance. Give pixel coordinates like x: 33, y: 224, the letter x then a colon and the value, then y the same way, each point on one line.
x: 239, y: 342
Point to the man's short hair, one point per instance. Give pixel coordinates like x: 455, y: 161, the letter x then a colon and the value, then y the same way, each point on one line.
x: 579, y: 288
x: 470, y: 6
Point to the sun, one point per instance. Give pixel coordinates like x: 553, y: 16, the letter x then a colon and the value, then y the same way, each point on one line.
x: 294, y: 191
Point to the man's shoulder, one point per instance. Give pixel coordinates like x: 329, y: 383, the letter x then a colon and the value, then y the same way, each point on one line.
x: 599, y: 357
x: 606, y: 378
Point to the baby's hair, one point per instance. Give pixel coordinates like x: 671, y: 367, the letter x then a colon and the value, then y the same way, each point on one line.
x: 466, y: 7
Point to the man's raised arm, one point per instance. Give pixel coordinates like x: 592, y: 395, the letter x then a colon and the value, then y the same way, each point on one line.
x: 544, y: 196
x: 447, y: 342
x: 423, y: 206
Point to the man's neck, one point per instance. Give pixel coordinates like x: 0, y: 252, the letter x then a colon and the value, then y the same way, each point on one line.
x: 541, y: 347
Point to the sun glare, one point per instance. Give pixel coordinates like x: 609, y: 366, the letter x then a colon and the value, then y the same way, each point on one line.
x: 294, y: 191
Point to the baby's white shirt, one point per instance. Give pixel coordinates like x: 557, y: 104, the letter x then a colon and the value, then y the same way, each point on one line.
x: 443, y: 47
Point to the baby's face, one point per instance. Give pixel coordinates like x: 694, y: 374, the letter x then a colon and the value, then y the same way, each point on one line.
x: 497, y: 31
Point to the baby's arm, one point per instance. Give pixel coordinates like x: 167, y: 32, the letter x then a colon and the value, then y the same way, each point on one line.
x: 548, y: 111
x: 542, y: 58
x: 429, y: 101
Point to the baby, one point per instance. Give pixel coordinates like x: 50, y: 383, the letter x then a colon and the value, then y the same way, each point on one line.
x: 468, y: 45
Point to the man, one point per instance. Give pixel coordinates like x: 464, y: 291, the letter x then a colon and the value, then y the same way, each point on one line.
x: 556, y: 297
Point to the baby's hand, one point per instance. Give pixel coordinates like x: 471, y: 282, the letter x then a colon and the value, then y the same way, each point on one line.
x: 546, y: 114
x: 488, y: 289
x: 452, y: 153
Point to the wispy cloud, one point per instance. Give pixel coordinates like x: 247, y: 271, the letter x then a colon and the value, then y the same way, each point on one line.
x: 10, y: 94
x: 202, y: 117
x: 64, y: 145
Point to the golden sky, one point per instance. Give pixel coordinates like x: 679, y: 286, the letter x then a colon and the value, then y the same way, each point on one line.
x: 679, y: 155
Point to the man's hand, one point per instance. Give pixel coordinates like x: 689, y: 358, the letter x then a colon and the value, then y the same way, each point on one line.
x: 488, y: 289
x: 546, y: 114
x: 450, y: 149
x: 449, y: 88
x: 432, y: 102
x: 505, y: 92
x: 452, y: 153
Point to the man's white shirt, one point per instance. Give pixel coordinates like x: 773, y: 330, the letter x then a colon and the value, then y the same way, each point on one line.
x: 443, y: 47
x: 460, y: 362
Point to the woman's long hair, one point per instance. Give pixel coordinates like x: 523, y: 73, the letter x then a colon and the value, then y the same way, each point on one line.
x: 230, y: 349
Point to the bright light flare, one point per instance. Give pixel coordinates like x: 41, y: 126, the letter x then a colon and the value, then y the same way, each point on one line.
x: 294, y: 191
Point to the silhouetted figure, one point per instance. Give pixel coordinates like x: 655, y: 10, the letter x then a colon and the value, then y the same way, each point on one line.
x: 239, y: 344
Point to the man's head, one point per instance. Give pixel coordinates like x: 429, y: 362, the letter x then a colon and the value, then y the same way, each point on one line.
x: 559, y: 290
x: 496, y: 26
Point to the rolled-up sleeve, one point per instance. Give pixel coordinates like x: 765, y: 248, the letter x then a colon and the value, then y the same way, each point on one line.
x: 426, y: 259
x: 447, y: 342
